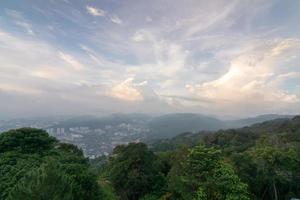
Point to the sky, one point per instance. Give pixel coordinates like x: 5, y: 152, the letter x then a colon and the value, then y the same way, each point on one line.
x: 218, y: 57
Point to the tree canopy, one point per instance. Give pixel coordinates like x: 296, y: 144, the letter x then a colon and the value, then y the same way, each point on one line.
x: 260, y: 162
x: 36, y: 166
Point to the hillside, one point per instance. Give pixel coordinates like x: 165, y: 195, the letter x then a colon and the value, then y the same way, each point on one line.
x: 254, y: 120
x: 259, y: 162
x: 167, y: 126
x: 100, y: 122
x: 247, y: 133
x: 164, y: 126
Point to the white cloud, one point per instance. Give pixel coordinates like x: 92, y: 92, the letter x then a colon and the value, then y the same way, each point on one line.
x: 95, y: 11
x: 143, y: 83
x: 170, y: 58
x: 204, y: 56
x: 37, y: 66
x: 20, y: 21
x: 251, y: 82
x: 48, y: 72
x: 288, y: 75
x: 138, y: 36
x: 285, y: 45
x: 125, y: 91
x: 70, y: 60
x: 26, y: 26
x: 116, y: 19
x: 21, y: 89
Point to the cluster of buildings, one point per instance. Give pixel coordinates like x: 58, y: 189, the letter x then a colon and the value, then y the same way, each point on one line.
x: 101, y: 140
x: 94, y: 141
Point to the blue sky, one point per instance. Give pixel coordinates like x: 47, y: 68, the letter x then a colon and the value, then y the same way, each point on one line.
x: 225, y: 58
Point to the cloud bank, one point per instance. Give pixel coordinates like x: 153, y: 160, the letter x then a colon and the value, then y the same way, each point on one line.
x: 223, y: 58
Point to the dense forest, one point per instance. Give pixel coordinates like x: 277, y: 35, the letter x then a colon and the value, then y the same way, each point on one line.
x: 257, y: 162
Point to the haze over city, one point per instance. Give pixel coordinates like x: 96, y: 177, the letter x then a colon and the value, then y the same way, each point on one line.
x: 223, y: 58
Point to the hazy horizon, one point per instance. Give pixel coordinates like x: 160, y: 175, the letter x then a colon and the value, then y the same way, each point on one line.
x: 218, y: 58
x: 81, y: 116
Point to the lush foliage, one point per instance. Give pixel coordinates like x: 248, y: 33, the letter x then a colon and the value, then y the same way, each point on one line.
x: 135, y: 171
x: 263, y: 158
x: 260, y: 162
x: 36, y: 166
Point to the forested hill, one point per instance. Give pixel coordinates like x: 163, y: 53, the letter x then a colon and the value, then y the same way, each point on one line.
x: 171, y: 125
x: 164, y: 126
x: 259, y: 162
x: 246, y: 135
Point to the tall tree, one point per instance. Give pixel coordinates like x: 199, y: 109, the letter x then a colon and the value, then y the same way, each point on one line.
x: 135, y: 171
x: 209, y: 177
x: 276, y: 166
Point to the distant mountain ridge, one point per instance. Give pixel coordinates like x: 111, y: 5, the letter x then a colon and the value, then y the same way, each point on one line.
x: 190, y: 139
x: 100, y: 122
x: 169, y: 125
x: 257, y: 119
